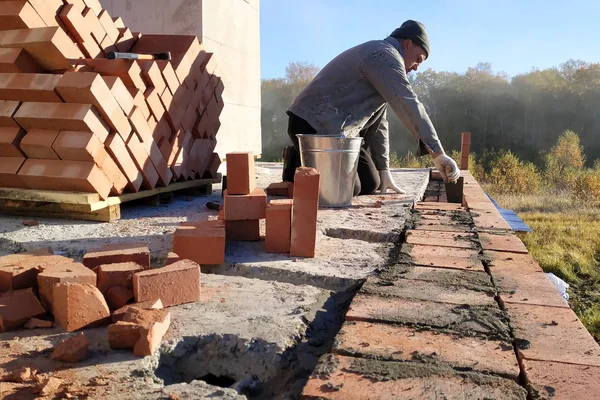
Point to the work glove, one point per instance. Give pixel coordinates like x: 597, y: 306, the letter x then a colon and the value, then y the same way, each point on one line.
x: 385, y: 177
x: 447, y: 167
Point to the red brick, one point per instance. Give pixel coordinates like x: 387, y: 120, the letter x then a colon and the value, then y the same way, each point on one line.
x: 17, y: 307
x: 152, y: 123
x: 172, y: 258
x: 128, y: 70
x: 119, y: 274
x: 140, y: 125
x: 71, y: 16
x: 201, y: 242
x: 241, y: 207
x: 123, y: 335
x: 241, y: 177
x: 508, y: 243
x: 61, y: 272
x: 118, y: 297
x: 70, y: 176
x: 9, y: 168
x: 126, y: 40
x: 141, y: 330
x: 143, y: 162
x: 118, y: 253
x: 76, y: 306
x: 7, y: 111
x: 117, y: 149
x: 164, y: 173
x: 152, y: 284
x: 278, y: 189
x: 552, y: 334
x: 29, y: 87
x: 11, y: 259
x: 19, y: 15
x: 425, y: 382
x: 304, y: 212
x: 79, y: 146
x: 62, y: 117
x: 428, y: 225
x: 445, y: 257
x: 47, y: 10
x: 50, y: 47
x: 278, y: 226
x: 152, y: 74
x: 562, y: 380
x: 94, y: 26
x: 140, y: 102
x: 400, y: 343
x: 73, y: 349
x: 10, y: 141
x: 37, y: 143
x: 441, y: 239
x: 36, y: 323
x: 243, y: 231
x: 213, y: 166
x: 119, y: 314
x: 486, y: 220
x: 439, y: 206
x: 155, y: 105
x: 17, y: 60
x: 120, y: 93
x: 524, y: 263
x: 18, y: 271
x: 168, y: 73
x: 108, y: 24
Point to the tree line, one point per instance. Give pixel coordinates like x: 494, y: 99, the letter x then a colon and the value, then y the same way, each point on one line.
x: 525, y: 114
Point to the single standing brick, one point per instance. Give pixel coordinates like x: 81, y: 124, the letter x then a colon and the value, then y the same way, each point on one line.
x: 17, y: 60
x: 172, y: 258
x: 62, y: 117
x: 552, y: 334
x: 304, y: 212
x: 118, y: 296
x: 278, y: 189
x: 178, y: 283
x: 7, y: 111
x: 71, y: 176
x: 278, y: 226
x: 441, y: 239
x: 10, y: 142
x: 50, y: 47
x: 444, y: 257
x: 90, y: 88
x: 17, y: 307
x: 37, y: 143
x: 552, y: 380
x: 61, y: 272
x: 137, y: 253
x: 202, y: 242
x: 508, y: 243
x: 119, y: 274
x: 120, y: 93
x: 400, y: 343
x: 19, y: 15
x: 79, y: 146
x: 73, y: 349
x: 119, y: 314
x: 241, y: 173
x: 143, y: 162
x: 76, y: 306
x: 29, y: 87
x: 118, y: 150
x: 249, y: 206
x: 9, y: 168
x: 243, y: 231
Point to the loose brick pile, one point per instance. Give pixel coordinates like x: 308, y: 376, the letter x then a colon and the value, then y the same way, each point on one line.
x: 464, y: 312
x: 73, y: 120
x: 120, y: 291
x: 291, y: 224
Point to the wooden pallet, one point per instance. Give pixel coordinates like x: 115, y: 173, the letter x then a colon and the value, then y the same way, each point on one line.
x: 84, y: 206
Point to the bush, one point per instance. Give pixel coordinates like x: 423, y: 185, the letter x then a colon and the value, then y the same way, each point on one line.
x: 410, y: 160
x: 564, y: 162
x: 508, y: 174
x: 587, y: 186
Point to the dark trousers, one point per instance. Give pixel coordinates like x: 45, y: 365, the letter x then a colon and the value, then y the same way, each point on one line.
x: 367, y: 177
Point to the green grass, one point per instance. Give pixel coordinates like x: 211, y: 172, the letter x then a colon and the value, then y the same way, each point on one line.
x: 565, y: 241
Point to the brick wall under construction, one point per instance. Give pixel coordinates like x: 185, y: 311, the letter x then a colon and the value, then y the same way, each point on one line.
x: 73, y: 120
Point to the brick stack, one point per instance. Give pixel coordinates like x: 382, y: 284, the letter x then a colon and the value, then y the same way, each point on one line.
x: 84, y: 295
x: 72, y: 120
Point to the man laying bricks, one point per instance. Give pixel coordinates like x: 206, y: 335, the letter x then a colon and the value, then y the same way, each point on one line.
x: 351, y: 95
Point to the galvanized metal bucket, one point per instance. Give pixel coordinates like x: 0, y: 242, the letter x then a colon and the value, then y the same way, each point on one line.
x: 336, y: 159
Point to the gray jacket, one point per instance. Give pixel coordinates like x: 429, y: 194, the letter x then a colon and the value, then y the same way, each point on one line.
x: 356, y: 85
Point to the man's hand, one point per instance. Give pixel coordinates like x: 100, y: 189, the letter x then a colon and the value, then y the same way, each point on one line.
x: 385, y: 177
x: 447, y: 167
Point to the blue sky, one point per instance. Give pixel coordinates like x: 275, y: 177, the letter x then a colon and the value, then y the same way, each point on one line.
x: 514, y: 36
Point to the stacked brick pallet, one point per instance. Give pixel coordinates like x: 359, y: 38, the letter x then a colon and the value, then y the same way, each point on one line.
x: 291, y: 224
x: 465, y: 312
x: 73, y: 120
x: 99, y: 291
